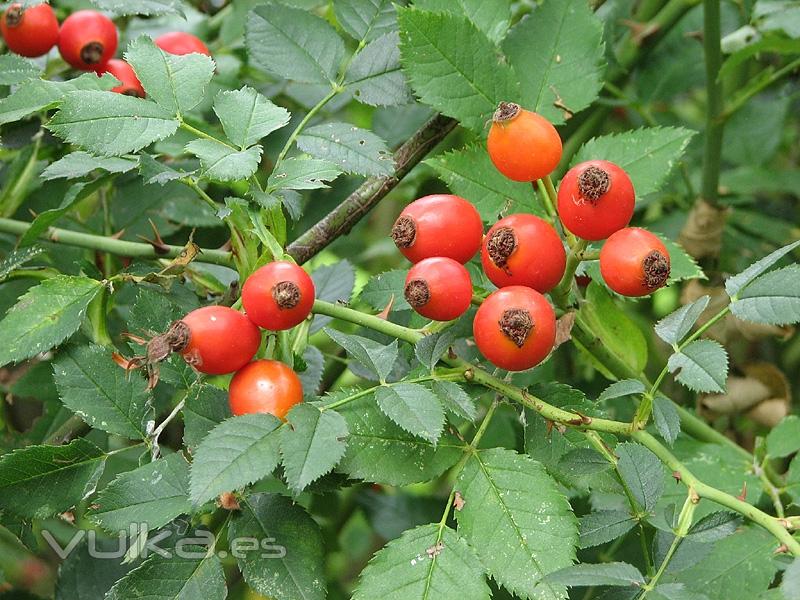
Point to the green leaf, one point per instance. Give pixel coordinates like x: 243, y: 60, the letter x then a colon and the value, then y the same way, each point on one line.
x: 620, y: 389
x: 84, y: 576
x: 676, y: 326
x: 375, y: 75
x: 603, y: 526
x: 455, y: 399
x: 350, y: 148
x: 95, y: 388
x: 154, y: 493
x: 784, y: 439
x: 385, y: 288
x: 365, y: 19
x: 176, y: 83
x: 675, y: 591
x: 426, y: 563
x: 247, y: 116
x: 773, y: 298
x: 517, y: 520
x: 666, y: 419
x: 302, y: 174
x: 40, y: 481
x: 381, y: 452
x: 121, y: 8
x: 111, y: 124
x: 414, y: 408
x: 224, y: 163
x: 237, y: 452
x: 15, y: 259
x: 377, y: 358
x: 581, y: 462
x: 790, y: 586
x: 16, y: 69
x: 312, y: 444
x: 79, y: 164
x: 778, y: 15
x: 293, y: 43
x: 648, y: 155
x: 173, y: 578
x: 558, y: 53
x: 682, y: 265
x: 205, y: 408
x: 45, y: 316
x: 432, y: 347
x: 492, y: 17
x: 453, y: 66
x: 714, y: 527
x: 470, y: 173
x: 735, y: 284
x: 291, y: 567
x: 702, y: 366
x: 616, y: 574
x: 642, y: 472
x: 153, y: 171
x: 333, y: 283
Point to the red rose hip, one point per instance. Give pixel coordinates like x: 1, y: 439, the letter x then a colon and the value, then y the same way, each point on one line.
x: 88, y: 40
x: 278, y: 296
x: 179, y: 43
x: 439, y: 288
x: 129, y: 83
x: 634, y: 262
x: 30, y: 31
x: 265, y: 386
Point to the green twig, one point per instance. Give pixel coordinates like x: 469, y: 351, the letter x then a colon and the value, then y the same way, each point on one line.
x: 712, y: 149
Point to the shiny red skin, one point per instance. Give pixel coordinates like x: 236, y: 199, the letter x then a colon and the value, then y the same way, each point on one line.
x: 524, y: 148
x: 82, y: 28
x: 497, y: 347
x: 178, y: 42
x: 596, y: 219
x: 622, y: 257
x: 130, y: 85
x: 221, y: 340
x: 449, y: 285
x: 538, y: 261
x: 36, y: 32
x: 261, y: 306
x: 265, y: 386
x: 446, y: 225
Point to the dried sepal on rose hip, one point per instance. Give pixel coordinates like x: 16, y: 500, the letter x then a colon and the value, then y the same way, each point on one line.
x: 438, y: 225
x: 523, y: 145
x: 515, y: 328
x: 31, y: 31
x: 523, y: 249
x: 439, y: 288
x: 595, y: 199
x: 634, y: 262
x: 265, y: 386
x: 88, y: 40
x: 278, y: 295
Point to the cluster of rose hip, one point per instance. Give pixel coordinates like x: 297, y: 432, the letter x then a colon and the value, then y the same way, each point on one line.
x: 87, y: 40
x: 521, y: 254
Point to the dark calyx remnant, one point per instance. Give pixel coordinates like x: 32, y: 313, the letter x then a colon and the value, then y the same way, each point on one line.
x: 516, y: 324
x: 176, y: 339
x: 593, y: 183
x: 286, y: 294
x: 92, y: 53
x: 404, y: 232
x: 14, y: 15
x: 505, y: 112
x: 656, y: 270
x: 501, y: 246
x: 417, y: 293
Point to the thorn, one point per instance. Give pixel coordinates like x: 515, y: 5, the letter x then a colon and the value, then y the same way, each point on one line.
x: 549, y: 427
x: 676, y: 475
x: 743, y: 495
x: 384, y: 314
x: 695, y: 498
x: 158, y: 244
x: 782, y: 549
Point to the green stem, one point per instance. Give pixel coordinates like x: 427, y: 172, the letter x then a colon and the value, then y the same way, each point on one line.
x: 560, y: 293
x: 206, y: 136
x: 684, y: 523
x: 712, y: 149
x: 310, y: 115
x: 741, y: 99
x: 411, y: 336
x: 201, y: 193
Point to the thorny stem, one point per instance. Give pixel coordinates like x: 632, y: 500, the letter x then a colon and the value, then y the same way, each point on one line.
x: 714, y: 123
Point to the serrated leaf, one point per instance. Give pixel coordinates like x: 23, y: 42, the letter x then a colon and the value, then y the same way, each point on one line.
x: 175, y: 82
x: 617, y: 574
x: 40, y: 481
x: 582, y: 462
x: 386, y: 288
x: 297, y: 571
x: 784, y: 439
x: 675, y: 326
x: 154, y: 494
x: 682, y: 265
x: 375, y: 75
x: 45, y: 316
x: 95, y: 388
x: 302, y: 174
x: 735, y: 284
x: 773, y: 298
x: 603, y: 526
x: 237, y: 452
x: 376, y: 357
x: 381, y: 452
x: 642, y: 472
x: 620, y: 389
x: 790, y: 586
x: 17, y: 258
x: 293, y: 43
x: 425, y: 563
x: 78, y: 164
x: 432, y: 347
x: 333, y: 283
x: 492, y: 17
x: 414, y: 408
x: 469, y: 172
x: 153, y: 171
x: 558, y: 53
x: 111, y: 124
x: 365, y: 19
x: 517, y: 520
x: 666, y: 419
x: 224, y: 163
x: 714, y: 527
x: 205, y: 408
x: 16, y: 69
x: 648, y: 155
x: 84, y: 576
x: 174, y: 578
x: 455, y: 399
x: 312, y: 444
x: 702, y: 366
x: 350, y: 148
x: 141, y: 7
x: 247, y: 116
x: 453, y: 66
